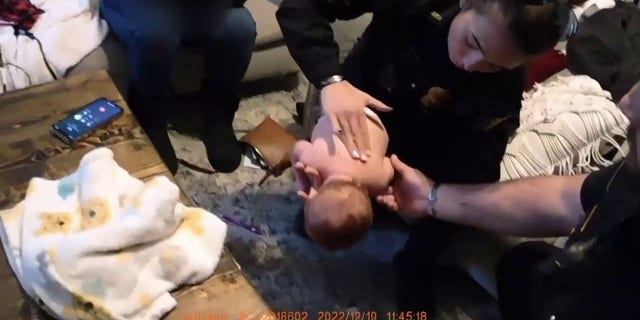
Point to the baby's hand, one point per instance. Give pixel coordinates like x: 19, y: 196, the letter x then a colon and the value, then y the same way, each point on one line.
x: 308, y: 180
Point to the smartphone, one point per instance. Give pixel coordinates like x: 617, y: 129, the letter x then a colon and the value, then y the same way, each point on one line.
x: 86, y: 120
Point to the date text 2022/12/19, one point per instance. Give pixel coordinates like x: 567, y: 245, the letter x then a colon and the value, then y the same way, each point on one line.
x: 344, y: 315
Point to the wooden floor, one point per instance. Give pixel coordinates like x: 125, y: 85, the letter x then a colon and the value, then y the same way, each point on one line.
x: 27, y: 149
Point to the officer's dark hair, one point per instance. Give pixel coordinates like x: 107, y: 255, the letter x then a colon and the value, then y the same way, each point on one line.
x: 536, y: 25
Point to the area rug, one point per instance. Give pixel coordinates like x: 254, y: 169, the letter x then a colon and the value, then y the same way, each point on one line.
x: 288, y: 270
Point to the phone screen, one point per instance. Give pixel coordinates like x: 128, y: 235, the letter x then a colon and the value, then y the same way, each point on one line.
x: 87, y: 119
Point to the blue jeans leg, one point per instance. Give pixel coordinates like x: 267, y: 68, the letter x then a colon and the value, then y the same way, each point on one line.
x: 228, y: 49
x: 228, y: 45
x: 150, y: 31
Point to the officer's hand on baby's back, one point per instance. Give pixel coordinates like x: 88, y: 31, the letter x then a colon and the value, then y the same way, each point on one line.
x: 344, y: 104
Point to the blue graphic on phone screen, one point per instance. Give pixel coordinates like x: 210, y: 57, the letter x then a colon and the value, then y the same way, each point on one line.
x: 88, y: 119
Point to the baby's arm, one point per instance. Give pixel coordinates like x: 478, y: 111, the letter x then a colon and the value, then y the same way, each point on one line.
x: 307, y: 178
x: 299, y: 149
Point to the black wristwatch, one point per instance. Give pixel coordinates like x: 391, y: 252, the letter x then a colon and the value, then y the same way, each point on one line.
x: 331, y: 80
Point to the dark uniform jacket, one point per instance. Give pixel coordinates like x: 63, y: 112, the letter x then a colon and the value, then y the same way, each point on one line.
x: 400, y: 57
x: 607, y: 48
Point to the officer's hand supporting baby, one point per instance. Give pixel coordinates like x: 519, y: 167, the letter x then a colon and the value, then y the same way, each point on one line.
x: 344, y: 104
x: 408, y: 193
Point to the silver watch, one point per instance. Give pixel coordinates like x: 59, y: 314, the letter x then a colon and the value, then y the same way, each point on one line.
x: 572, y: 26
x: 433, y: 198
x: 331, y: 80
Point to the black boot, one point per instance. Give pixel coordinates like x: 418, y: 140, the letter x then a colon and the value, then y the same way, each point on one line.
x: 153, y: 119
x: 223, y: 149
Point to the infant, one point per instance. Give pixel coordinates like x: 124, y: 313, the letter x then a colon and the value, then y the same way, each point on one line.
x: 338, y: 211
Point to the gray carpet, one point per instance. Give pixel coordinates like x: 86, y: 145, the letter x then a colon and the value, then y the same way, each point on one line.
x: 289, y: 271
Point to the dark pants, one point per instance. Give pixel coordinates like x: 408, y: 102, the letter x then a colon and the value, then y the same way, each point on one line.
x: 416, y: 268
x: 153, y: 30
x: 539, y: 281
x: 521, y: 279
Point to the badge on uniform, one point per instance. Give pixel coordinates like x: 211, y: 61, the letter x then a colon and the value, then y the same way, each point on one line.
x: 443, y: 15
x: 436, y: 97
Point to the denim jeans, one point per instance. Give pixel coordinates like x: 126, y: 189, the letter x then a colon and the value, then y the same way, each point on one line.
x: 153, y: 30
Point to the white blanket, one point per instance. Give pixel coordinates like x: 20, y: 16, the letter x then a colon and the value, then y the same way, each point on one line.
x: 68, y: 30
x: 101, y: 244
x: 564, y: 125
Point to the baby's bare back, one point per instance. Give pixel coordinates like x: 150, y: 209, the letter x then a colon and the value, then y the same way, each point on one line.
x: 331, y: 156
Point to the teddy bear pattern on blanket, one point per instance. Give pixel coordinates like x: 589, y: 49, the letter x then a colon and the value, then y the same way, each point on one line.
x: 101, y: 244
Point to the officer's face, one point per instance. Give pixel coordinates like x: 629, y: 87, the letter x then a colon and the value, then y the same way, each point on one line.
x: 481, y: 43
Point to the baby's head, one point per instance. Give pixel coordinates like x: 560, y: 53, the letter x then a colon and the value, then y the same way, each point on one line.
x: 339, y: 215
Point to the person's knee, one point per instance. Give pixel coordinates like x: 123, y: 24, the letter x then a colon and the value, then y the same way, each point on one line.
x: 237, y: 28
x: 150, y: 33
x: 155, y: 40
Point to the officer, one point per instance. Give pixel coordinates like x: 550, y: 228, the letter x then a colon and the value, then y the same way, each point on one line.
x: 447, y: 81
